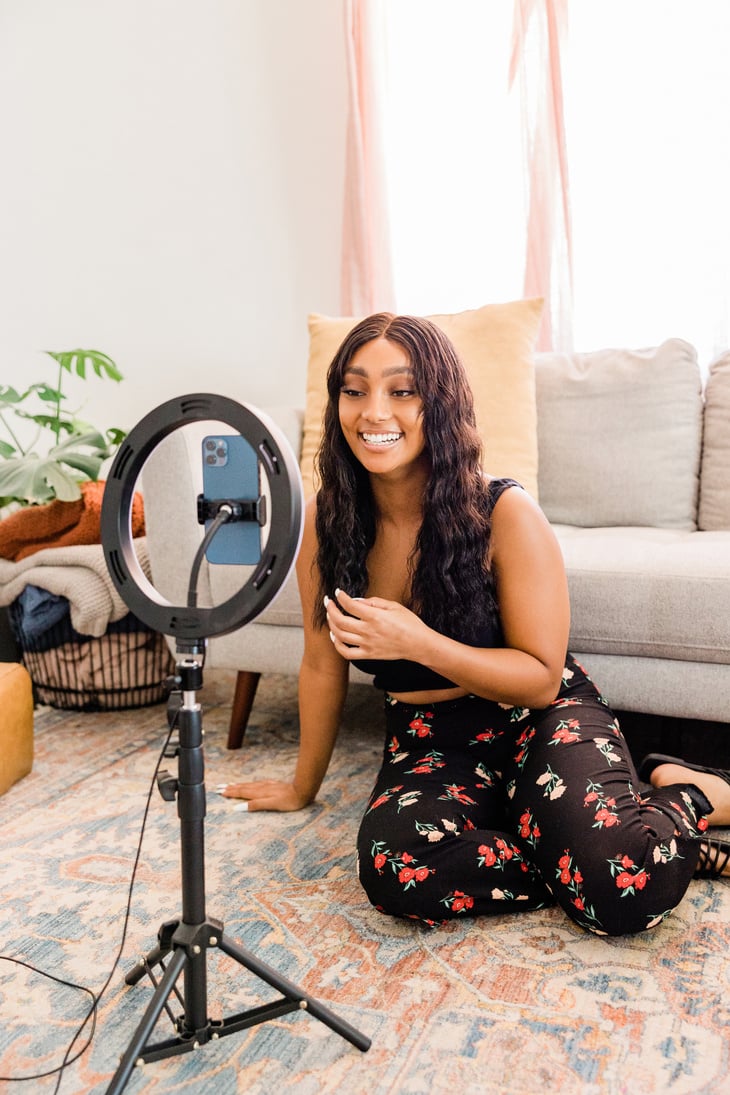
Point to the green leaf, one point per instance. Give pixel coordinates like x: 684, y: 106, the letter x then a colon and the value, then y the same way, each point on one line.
x: 103, y: 364
x: 16, y: 476
x: 10, y: 396
x: 48, y: 394
x: 91, y: 437
x: 34, y: 479
x: 48, y: 421
x: 62, y: 484
x: 84, y: 462
x: 63, y: 357
x: 115, y: 436
x: 23, y: 480
x: 76, y: 360
x: 79, y: 449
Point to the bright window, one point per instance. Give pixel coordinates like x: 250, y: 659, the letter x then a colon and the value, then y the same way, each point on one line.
x: 647, y: 103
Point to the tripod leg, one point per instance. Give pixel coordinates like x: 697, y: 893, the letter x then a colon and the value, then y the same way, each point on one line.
x: 147, y: 1022
x: 189, y: 938
x: 319, y: 1011
x: 143, y: 965
x: 163, y: 948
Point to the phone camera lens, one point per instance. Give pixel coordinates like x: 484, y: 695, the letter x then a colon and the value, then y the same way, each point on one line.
x: 210, y: 445
x: 221, y: 452
x: 210, y: 458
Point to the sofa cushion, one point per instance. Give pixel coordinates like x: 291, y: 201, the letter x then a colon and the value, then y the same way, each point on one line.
x: 619, y: 436
x: 659, y: 686
x: 715, y: 471
x: 649, y: 592
x: 495, y: 344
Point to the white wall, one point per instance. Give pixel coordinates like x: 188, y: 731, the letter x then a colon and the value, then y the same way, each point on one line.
x: 171, y: 177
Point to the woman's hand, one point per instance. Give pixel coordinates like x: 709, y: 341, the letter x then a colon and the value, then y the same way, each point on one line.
x: 266, y: 794
x: 371, y: 627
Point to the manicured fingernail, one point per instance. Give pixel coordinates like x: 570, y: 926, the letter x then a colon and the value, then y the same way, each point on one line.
x: 326, y: 600
x: 222, y: 789
x: 241, y: 808
x: 338, y: 592
x: 334, y: 640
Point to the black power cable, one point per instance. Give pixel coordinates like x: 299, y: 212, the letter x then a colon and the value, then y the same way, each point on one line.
x: 95, y: 998
x: 224, y: 515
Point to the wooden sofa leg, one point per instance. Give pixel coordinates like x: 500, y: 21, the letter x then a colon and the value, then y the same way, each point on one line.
x: 246, y: 685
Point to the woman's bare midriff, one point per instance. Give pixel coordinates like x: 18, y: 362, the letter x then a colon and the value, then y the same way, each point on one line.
x: 423, y: 699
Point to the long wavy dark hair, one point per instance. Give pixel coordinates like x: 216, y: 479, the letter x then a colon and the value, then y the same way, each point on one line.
x: 451, y: 587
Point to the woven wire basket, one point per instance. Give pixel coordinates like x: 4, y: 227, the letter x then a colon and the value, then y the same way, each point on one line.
x: 126, y: 667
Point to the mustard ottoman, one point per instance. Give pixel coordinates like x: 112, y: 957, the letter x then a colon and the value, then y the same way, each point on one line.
x: 16, y: 724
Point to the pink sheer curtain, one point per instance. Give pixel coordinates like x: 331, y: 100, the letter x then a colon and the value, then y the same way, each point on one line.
x: 367, y: 282
x: 539, y: 32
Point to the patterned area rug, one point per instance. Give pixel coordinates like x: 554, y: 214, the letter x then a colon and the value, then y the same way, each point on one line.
x: 518, y: 1004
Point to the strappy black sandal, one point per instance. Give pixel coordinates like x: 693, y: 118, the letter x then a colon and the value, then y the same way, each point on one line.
x: 714, y: 857
x: 653, y: 760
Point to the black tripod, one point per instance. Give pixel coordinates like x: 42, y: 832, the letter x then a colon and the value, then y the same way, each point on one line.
x: 183, y: 944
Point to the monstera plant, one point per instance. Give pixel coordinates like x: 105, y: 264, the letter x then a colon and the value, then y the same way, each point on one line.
x: 46, y: 451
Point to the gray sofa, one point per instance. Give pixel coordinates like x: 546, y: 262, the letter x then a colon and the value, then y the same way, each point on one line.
x: 634, y: 476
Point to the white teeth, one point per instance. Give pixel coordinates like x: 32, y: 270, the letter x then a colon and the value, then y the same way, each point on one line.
x: 381, y: 438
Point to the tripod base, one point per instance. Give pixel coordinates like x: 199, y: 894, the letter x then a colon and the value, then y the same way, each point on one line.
x: 184, y: 947
x: 183, y: 944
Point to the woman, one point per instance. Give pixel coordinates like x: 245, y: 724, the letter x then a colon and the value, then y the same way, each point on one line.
x: 505, y: 782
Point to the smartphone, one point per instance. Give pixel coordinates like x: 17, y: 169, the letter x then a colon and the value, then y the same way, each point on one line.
x: 231, y: 470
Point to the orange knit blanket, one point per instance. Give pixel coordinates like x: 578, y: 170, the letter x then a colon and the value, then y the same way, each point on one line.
x: 60, y: 524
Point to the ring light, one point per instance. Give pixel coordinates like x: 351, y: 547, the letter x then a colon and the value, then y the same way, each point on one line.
x: 183, y: 943
x: 278, y: 553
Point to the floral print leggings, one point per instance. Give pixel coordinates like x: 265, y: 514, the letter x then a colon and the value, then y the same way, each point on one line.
x: 481, y: 808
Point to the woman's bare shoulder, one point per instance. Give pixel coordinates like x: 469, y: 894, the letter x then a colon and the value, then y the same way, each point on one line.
x: 309, y: 532
x: 517, y: 520
x: 511, y: 496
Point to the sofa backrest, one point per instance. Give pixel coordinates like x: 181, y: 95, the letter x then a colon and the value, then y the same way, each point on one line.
x: 620, y: 436
x: 714, y: 513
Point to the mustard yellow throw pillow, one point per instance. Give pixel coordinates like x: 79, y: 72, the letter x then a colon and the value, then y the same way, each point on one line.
x: 495, y: 344
x: 16, y: 727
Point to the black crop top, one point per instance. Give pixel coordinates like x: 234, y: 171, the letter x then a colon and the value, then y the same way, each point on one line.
x: 401, y: 675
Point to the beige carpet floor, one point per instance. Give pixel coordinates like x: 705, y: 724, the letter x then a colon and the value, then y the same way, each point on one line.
x: 520, y: 1004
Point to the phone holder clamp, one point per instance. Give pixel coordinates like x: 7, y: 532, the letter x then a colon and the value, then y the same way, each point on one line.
x: 242, y: 509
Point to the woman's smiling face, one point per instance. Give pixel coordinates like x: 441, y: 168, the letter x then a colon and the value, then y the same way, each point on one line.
x: 381, y: 414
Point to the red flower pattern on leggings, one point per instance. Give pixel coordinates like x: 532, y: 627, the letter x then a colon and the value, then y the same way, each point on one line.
x: 482, y: 808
